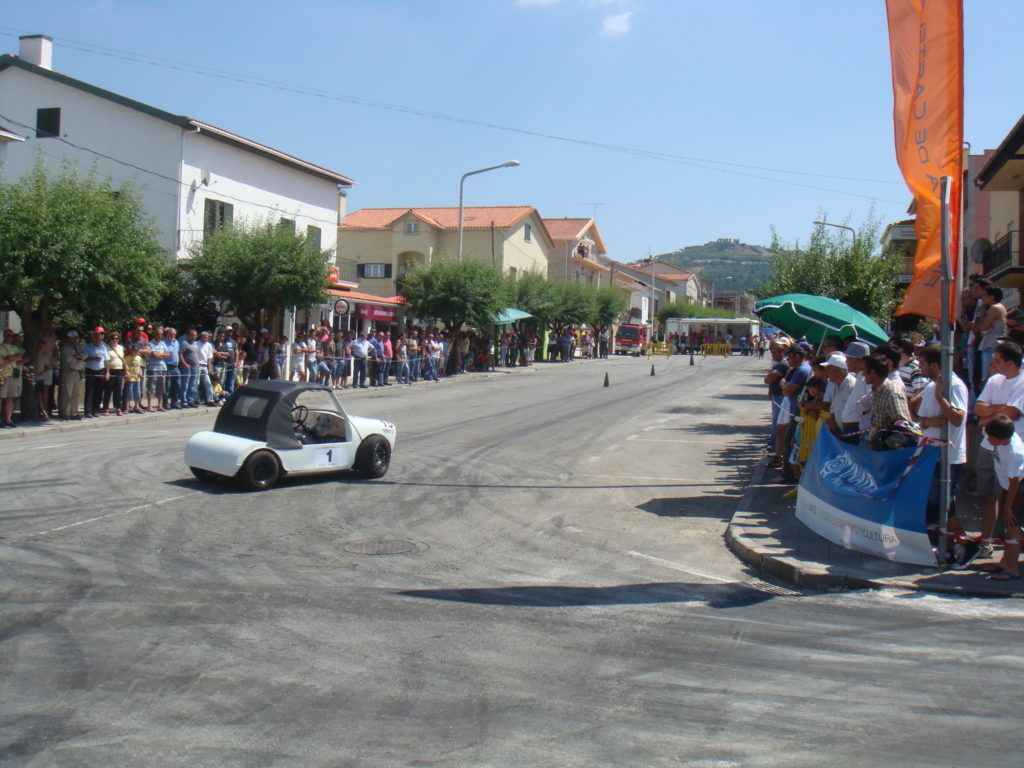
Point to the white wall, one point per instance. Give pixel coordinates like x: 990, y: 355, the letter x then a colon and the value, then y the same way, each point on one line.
x: 99, y: 125
x: 259, y: 189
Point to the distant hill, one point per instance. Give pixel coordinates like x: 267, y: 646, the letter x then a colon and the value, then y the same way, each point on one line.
x: 748, y: 265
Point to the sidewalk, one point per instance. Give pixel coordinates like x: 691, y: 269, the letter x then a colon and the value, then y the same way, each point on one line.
x: 765, y: 533
x: 54, y: 426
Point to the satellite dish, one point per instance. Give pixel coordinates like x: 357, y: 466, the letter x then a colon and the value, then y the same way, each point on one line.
x: 980, y: 249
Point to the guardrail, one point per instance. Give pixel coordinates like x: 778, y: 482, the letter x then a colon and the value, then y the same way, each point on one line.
x: 659, y: 348
x: 708, y: 350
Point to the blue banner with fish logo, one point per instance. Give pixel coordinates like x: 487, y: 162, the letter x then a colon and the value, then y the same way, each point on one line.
x: 871, y: 501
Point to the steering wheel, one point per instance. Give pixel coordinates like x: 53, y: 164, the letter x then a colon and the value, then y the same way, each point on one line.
x: 299, y: 414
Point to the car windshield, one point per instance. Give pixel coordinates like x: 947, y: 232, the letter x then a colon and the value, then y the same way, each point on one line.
x: 628, y: 333
x: 317, y: 400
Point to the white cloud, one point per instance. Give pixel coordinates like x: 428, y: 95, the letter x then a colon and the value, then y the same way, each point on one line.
x: 616, y: 24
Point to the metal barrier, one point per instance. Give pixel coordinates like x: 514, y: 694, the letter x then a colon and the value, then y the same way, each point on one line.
x: 666, y: 348
x: 725, y: 350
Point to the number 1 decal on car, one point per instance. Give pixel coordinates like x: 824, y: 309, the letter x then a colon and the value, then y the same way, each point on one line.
x: 327, y: 457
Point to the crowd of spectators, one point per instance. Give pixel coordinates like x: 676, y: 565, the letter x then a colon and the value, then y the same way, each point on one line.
x: 151, y: 367
x: 892, y: 396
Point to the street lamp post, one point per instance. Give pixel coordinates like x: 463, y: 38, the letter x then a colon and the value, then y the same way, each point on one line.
x: 462, y: 182
x: 853, y: 232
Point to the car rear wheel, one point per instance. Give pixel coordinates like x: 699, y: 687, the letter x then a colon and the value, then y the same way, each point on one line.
x: 373, y: 457
x: 259, y: 472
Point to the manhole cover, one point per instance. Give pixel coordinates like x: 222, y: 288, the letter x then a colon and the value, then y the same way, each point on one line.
x: 381, y: 547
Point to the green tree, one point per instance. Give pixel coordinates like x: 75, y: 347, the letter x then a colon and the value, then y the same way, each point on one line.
x: 260, y: 269
x: 456, y: 293
x: 75, y: 249
x: 852, y: 270
x: 533, y: 292
x: 574, y: 305
x: 609, y: 305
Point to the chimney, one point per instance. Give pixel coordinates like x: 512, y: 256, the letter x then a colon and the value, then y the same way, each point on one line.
x: 36, y: 49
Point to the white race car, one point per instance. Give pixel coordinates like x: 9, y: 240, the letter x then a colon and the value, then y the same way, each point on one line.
x: 271, y: 428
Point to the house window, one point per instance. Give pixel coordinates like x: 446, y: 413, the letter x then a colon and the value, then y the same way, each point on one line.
x: 288, y: 224
x: 313, y: 236
x: 412, y: 227
x: 47, y: 122
x: 512, y: 272
x: 375, y: 270
x: 528, y: 233
x: 217, y: 215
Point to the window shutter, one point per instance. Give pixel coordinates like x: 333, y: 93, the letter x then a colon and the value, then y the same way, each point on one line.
x: 227, y: 214
x: 209, y: 216
x: 387, y: 270
x: 361, y: 270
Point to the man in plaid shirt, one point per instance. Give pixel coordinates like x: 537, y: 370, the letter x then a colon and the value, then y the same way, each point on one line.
x: 888, y: 400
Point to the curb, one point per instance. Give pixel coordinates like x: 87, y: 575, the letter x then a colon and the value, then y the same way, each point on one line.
x: 41, y: 428
x: 816, y: 576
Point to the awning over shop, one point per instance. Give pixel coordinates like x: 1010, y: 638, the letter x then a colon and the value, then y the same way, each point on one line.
x: 510, y: 315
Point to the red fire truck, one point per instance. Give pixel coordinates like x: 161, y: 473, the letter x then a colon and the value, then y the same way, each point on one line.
x: 630, y: 338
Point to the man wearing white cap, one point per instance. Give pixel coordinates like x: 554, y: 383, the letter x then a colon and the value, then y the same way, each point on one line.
x: 72, y: 377
x: 842, y: 381
x: 858, y: 403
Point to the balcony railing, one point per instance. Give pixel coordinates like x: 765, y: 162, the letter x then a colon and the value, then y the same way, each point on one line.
x: 1006, y: 252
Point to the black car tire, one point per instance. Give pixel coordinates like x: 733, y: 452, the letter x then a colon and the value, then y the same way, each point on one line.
x: 203, y: 474
x: 373, y: 457
x: 259, y: 472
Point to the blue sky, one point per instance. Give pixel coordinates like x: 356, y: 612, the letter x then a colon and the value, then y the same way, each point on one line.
x: 731, y: 117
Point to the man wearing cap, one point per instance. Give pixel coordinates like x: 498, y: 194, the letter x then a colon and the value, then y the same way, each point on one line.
x: 795, y: 379
x: 72, y: 377
x: 12, y: 358
x: 156, y: 369
x: 97, y: 372
x: 172, y: 377
x: 842, y: 383
x: 857, y: 408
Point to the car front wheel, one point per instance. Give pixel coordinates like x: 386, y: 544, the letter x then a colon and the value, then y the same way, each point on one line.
x: 373, y: 457
x: 259, y: 472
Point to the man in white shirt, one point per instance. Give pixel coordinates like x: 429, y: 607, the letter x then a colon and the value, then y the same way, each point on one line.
x: 932, y: 410
x: 856, y: 412
x: 1003, y: 395
x: 841, y: 382
x: 206, y: 355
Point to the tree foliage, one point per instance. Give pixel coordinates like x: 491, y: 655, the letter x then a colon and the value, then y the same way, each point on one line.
x: 533, y: 292
x: 833, y: 264
x: 609, y: 306
x: 456, y: 292
x: 575, y: 304
x: 260, y: 269
x: 688, y: 309
x: 75, y: 249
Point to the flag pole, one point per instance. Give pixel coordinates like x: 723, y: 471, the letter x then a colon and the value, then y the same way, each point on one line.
x: 946, y: 340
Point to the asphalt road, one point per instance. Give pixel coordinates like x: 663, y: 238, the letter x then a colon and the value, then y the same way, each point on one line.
x: 560, y: 595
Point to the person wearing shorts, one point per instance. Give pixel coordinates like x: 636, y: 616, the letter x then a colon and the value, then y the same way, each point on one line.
x: 12, y: 358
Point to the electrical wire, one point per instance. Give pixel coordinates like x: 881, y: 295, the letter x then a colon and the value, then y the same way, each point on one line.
x: 695, y: 162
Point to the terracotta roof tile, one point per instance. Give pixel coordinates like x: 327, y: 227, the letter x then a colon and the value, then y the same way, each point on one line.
x: 566, y: 229
x: 473, y: 217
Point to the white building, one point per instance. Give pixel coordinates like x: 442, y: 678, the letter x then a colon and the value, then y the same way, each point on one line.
x: 192, y: 176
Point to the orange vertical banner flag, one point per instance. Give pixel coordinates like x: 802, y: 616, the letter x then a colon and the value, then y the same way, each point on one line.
x: 926, y: 43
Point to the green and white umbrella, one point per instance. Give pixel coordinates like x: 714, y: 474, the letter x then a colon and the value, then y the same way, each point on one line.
x: 801, y: 314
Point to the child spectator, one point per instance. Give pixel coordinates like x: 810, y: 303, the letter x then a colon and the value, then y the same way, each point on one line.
x: 133, y: 379
x: 1009, y: 461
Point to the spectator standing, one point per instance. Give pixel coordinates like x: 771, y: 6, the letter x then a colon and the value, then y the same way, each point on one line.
x: 97, y: 372
x: 43, y: 361
x: 857, y: 409
x: 209, y: 318
x: 246, y: 366
x: 156, y: 370
x: 71, y: 396
x: 1003, y: 395
x: 299, y: 357
x: 603, y: 343
x: 991, y: 326
x: 388, y: 357
x: 914, y: 381
x: 774, y: 379
x: 133, y: 378
x: 360, y: 352
x: 188, y: 359
x: 12, y: 358
x: 888, y: 404
x: 402, y: 356
x: 225, y: 355
x: 112, y: 392
x: 932, y: 411
x: 173, y: 388
x: 796, y: 378
x: 204, y: 384
x: 838, y: 374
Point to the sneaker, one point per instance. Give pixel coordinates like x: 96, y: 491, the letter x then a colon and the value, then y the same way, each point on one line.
x: 964, y: 553
x: 985, y: 550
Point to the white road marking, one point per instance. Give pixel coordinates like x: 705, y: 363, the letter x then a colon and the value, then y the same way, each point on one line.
x: 139, y: 508
x: 683, y: 568
x: 48, y: 447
